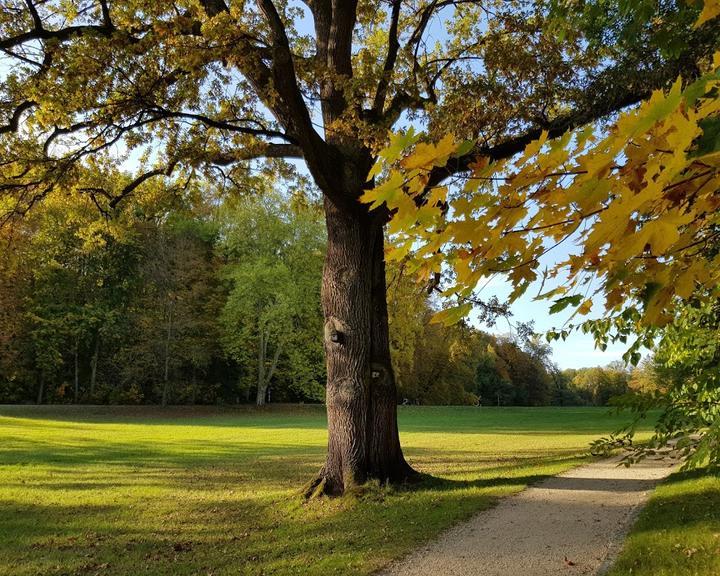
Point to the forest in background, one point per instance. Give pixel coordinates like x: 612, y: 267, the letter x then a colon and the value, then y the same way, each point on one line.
x: 187, y: 298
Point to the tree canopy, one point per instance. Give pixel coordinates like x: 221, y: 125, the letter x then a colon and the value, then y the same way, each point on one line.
x: 637, y: 200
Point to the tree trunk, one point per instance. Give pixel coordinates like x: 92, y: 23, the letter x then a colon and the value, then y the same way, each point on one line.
x: 77, y: 370
x: 260, y: 395
x: 93, y: 365
x: 166, y: 372
x: 386, y: 460
x: 193, y: 396
x: 363, y: 440
x: 41, y: 388
x: 264, y: 374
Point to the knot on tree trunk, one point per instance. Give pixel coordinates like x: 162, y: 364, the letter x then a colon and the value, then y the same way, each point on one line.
x: 336, y: 331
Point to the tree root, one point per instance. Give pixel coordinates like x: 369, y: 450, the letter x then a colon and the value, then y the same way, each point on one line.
x: 322, y: 485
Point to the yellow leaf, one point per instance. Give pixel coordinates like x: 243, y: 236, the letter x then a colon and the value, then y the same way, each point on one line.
x: 534, y: 147
x: 451, y: 316
x: 585, y: 307
x: 385, y: 192
x: 428, y: 155
x: 710, y: 10
x: 661, y: 235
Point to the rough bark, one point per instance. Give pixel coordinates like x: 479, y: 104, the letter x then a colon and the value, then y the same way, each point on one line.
x: 386, y: 460
x: 361, y: 402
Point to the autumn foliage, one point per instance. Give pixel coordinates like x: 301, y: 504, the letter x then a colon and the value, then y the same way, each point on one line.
x: 637, y: 202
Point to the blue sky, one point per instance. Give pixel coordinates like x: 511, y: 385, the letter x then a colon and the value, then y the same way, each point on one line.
x: 577, y: 351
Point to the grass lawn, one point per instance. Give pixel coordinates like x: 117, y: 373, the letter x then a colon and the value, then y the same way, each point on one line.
x: 210, y: 491
x: 678, y: 532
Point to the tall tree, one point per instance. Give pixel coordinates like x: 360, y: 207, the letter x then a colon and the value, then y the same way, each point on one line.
x: 208, y: 85
x: 274, y: 251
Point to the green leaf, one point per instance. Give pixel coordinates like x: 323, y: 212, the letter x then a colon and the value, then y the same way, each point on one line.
x: 709, y: 142
x: 562, y: 303
x: 464, y: 148
x: 453, y: 315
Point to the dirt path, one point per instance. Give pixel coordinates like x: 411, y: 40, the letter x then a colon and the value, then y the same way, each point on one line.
x: 567, y: 525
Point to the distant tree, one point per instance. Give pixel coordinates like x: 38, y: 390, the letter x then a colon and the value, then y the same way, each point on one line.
x: 493, y: 381
x: 272, y: 315
x: 598, y: 385
x: 647, y: 377
x: 528, y: 375
x: 409, y: 310
x: 563, y: 392
x: 174, y: 312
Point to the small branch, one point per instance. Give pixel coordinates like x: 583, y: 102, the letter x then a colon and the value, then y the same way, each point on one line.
x: 127, y: 190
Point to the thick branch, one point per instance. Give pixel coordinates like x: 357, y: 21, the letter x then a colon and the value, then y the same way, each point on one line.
x: 403, y: 101
x: 223, y: 125
x: 61, y: 35
x: 292, y: 111
x: 12, y: 126
x: 610, y: 92
x: 214, y: 7
x: 253, y: 153
x: 127, y: 190
x: 391, y: 57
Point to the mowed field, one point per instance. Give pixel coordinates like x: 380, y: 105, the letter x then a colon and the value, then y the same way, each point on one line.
x: 109, y: 491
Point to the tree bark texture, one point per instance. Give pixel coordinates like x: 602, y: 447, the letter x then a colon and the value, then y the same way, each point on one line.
x: 363, y: 441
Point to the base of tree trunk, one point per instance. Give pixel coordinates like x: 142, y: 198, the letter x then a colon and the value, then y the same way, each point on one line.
x: 324, y: 484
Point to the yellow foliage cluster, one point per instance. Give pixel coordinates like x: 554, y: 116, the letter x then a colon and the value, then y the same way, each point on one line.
x: 639, y: 204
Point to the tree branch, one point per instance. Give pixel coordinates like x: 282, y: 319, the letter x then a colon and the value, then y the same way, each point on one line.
x: 127, y: 190
x: 392, y: 53
x: 12, y: 126
x: 253, y: 153
x: 608, y: 93
x: 61, y: 34
x: 223, y: 125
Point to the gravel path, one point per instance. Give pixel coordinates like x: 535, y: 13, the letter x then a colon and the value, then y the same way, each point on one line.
x: 570, y: 524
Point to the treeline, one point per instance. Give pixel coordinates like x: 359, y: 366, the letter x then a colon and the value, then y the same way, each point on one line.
x: 520, y: 373
x: 175, y: 299
x: 184, y: 299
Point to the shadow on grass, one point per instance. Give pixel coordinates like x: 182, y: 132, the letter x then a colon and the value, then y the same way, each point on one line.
x: 450, y: 420
x: 303, y: 416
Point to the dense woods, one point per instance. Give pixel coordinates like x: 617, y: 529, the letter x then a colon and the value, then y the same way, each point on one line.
x: 189, y: 300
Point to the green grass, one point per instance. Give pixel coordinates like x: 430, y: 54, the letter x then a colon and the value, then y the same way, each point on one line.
x: 208, y: 491
x: 678, y: 532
